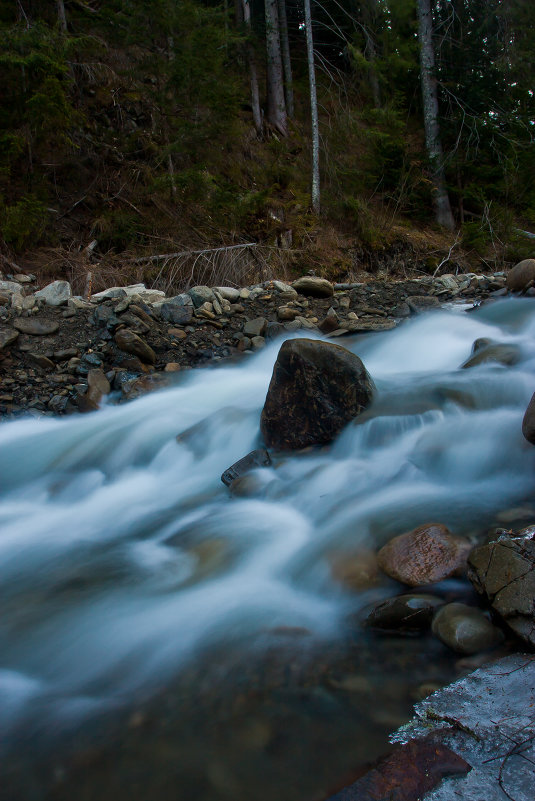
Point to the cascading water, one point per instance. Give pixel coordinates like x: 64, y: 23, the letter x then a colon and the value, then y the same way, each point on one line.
x: 124, y: 561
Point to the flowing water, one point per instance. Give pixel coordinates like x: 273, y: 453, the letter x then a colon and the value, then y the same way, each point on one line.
x: 158, y: 636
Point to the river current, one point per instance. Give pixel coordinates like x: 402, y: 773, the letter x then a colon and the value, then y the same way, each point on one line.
x: 128, y: 572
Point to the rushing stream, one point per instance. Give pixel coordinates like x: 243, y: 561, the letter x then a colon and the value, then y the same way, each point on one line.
x: 203, y: 640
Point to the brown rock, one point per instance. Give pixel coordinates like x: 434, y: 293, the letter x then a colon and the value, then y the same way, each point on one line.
x: 521, y: 276
x: 425, y: 555
x: 131, y: 343
x: 315, y: 390
x: 98, y: 386
x: 407, y: 774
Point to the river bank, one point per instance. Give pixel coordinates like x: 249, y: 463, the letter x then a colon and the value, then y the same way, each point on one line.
x: 61, y: 354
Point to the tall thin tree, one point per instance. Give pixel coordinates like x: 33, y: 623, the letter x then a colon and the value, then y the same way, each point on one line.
x: 62, y: 17
x: 276, y: 104
x: 286, y: 59
x: 253, y: 72
x: 433, y: 142
x: 313, y: 110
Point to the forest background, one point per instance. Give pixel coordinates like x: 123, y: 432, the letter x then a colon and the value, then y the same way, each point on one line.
x: 150, y: 139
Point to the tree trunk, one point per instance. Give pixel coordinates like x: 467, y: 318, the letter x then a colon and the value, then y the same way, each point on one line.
x: 441, y: 200
x: 276, y: 105
x: 253, y: 73
x: 62, y: 19
x: 286, y: 60
x: 313, y: 111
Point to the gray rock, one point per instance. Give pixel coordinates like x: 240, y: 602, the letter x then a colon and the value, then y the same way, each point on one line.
x: 256, y: 327
x: 401, y: 310
x: 200, y: 295
x: 177, y: 313
x: 504, y: 572
x: 315, y: 390
x: 365, y: 326
x: 110, y: 294
x: 229, y: 293
x: 9, y: 287
x: 129, y: 342
x: 409, y: 612
x: 465, y: 629
x: 313, y: 286
x: 258, y: 343
x: 253, y: 460
x: 35, y: 326
x: 55, y: 294
x: 274, y: 330
x: 7, y: 337
x: 58, y: 403
x: 519, y: 277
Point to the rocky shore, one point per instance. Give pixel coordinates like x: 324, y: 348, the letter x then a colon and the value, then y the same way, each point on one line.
x: 61, y: 354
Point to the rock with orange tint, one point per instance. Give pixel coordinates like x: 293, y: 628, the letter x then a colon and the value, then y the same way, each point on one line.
x: 356, y: 570
x: 425, y: 555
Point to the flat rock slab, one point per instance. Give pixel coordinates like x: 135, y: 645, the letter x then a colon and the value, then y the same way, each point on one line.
x: 487, y: 719
x: 35, y: 326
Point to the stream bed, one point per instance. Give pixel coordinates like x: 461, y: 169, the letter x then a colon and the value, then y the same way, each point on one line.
x: 160, y: 638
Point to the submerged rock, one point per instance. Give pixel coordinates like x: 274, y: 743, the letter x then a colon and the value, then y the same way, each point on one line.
x: 409, y: 613
x: 504, y: 571
x: 315, y: 390
x: 484, y: 350
x: 425, y: 555
x: 465, y: 629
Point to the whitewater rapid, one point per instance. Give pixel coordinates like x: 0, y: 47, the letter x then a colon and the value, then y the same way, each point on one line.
x: 122, y: 554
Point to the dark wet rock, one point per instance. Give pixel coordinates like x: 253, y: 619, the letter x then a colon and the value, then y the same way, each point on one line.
x: 409, y: 613
x: 104, y: 315
x: 405, y: 775
x: 521, y: 276
x: 313, y: 286
x: 401, y: 310
x: 274, y: 330
x: 88, y: 362
x: 7, y: 337
x: 465, y: 629
x: 504, y: 572
x: 65, y: 353
x: 177, y: 313
x: 129, y: 342
x: 254, y: 459
x: 528, y: 422
x: 58, y: 404
x: 41, y: 361
x: 425, y: 555
x: 329, y: 323
x: 146, y: 383
x: 255, y: 328
x: 422, y: 303
x: 492, y: 352
x: 97, y: 387
x: 315, y: 390
x: 258, y: 342
x: 35, y: 326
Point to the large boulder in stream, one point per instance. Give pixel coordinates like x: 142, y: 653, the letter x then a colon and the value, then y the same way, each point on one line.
x: 528, y: 422
x: 315, y: 390
x: 521, y: 276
